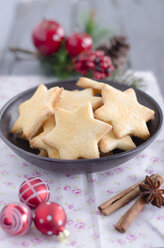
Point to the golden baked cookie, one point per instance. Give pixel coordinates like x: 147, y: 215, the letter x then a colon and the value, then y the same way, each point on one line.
x: 37, y: 142
x: 71, y: 100
x: 77, y: 133
x: 110, y: 142
x: 35, y: 111
x: 124, y: 113
x: 90, y: 83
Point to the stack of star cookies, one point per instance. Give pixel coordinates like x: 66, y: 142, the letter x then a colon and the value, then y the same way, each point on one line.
x: 76, y: 124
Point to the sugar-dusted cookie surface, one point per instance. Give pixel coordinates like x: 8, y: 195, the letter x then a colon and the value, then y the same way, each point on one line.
x: 35, y: 111
x: 77, y: 133
x: 89, y: 83
x: 110, y: 142
x: 71, y: 100
x: 123, y: 111
x: 37, y: 142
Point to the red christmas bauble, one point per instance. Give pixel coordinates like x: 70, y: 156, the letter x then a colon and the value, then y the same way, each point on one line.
x: 50, y: 218
x: 34, y: 191
x: 78, y: 43
x: 47, y: 37
x: 15, y: 218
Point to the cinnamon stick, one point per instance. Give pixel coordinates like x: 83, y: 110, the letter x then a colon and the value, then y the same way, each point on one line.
x: 131, y: 214
x: 122, y: 198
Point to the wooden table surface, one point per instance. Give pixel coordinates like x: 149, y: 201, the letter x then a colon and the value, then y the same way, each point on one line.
x: 141, y: 20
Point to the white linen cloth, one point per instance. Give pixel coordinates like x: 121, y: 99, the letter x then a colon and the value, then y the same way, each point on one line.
x: 81, y: 194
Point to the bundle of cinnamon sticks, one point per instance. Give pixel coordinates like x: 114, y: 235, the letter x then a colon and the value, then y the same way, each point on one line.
x: 123, y: 198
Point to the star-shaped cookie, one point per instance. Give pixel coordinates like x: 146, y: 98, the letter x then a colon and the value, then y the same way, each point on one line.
x: 89, y: 83
x: 35, y: 111
x: 71, y: 100
x: 124, y: 113
x: 110, y: 142
x: 77, y: 133
x: 37, y: 142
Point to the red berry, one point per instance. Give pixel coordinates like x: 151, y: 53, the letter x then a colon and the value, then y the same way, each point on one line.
x: 99, y: 53
x: 47, y: 37
x: 95, y: 62
x: 78, y: 43
x: 99, y: 75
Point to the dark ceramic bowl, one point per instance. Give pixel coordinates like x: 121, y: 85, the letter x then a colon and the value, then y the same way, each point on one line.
x: 9, y: 114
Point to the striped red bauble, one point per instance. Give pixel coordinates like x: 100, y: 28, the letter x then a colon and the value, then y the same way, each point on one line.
x: 16, y: 218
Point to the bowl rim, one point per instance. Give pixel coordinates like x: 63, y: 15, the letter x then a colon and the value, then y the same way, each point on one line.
x: 66, y: 161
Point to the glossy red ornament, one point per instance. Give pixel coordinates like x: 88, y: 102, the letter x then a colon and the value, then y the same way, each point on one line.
x: 34, y: 191
x: 15, y: 218
x: 78, y: 43
x: 47, y: 36
x: 50, y: 218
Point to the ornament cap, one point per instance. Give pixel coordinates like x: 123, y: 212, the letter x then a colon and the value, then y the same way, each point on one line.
x: 64, y: 236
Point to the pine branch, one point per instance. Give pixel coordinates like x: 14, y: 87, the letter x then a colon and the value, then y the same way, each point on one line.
x: 128, y: 78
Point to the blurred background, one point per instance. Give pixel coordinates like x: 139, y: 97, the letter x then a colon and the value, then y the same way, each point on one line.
x: 142, y: 21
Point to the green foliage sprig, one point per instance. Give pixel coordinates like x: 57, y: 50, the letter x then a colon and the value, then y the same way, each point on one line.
x: 60, y: 64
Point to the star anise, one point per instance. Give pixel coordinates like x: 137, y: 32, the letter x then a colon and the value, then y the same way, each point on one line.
x: 150, y: 193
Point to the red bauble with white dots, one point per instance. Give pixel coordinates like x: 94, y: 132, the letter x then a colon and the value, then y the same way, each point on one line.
x: 78, y: 43
x: 34, y: 191
x: 47, y: 36
x: 15, y: 218
x: 50, y: 218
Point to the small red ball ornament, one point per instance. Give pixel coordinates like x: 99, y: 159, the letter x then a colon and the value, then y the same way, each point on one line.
x: 78, y: 43
x: 47, y: 37
x: 50, y: 218
x: 34, y: 191
x: 15, y: 218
